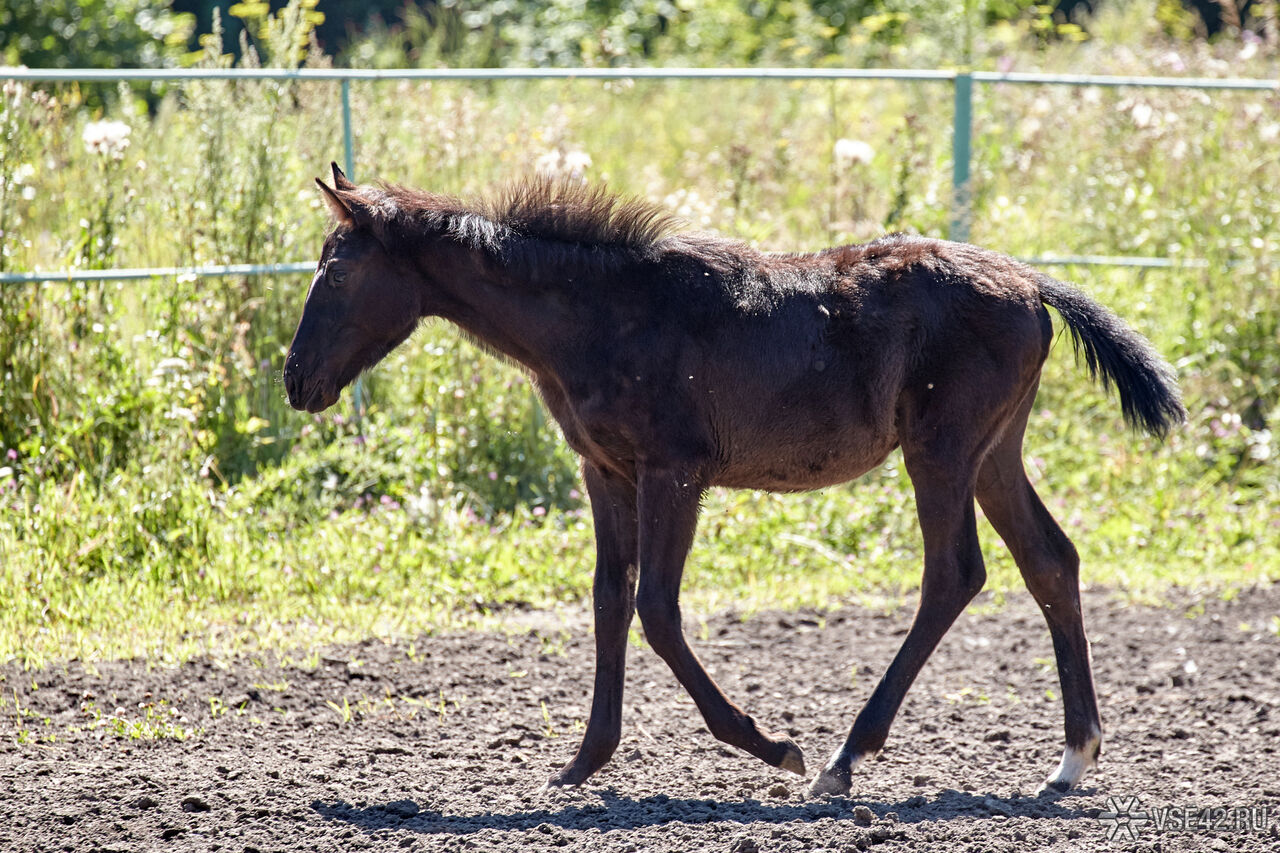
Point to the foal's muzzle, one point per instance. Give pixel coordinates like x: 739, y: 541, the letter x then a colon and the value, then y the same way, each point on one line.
x: 306, y: 394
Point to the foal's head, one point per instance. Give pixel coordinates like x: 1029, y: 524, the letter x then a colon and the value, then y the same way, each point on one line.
x: 358, y: 309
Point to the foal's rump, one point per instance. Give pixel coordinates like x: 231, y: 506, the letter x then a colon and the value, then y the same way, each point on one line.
x: 973, y: 303
x: 907, y: 335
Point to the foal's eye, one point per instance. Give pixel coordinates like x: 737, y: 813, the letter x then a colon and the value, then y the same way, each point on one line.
x: 338, y: 276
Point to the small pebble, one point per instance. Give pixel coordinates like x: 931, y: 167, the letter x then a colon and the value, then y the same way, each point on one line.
x: 402, y: 808
x: 194, y: 804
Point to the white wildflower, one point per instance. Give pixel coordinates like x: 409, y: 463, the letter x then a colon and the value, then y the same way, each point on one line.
x: 1142, y: 114
x: 548, y: 164
x: 1260, y: 445
x: 173, y: 364
x: 422, y: 506
x: 575, y: 164
x: 13, y: 89
x: 850, y: 151
x: 108, y: 138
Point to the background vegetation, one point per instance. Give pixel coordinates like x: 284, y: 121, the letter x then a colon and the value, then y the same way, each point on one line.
x: 157, y: 495
x: 146, y: 33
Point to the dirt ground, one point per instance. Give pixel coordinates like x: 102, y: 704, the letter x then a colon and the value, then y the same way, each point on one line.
x: 444, y: 743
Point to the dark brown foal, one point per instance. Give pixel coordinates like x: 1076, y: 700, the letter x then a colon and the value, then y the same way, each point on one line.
x: 674, y: 363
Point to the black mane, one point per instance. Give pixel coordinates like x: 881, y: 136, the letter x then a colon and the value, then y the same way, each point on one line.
x: 538, y: 208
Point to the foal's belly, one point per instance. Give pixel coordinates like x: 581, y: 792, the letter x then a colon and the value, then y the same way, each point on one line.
x: 800, y: 417
x: 777, y: 463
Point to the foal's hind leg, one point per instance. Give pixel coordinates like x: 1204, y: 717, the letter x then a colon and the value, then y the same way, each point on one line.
x: 1051, y: 569
x: 953, y: 575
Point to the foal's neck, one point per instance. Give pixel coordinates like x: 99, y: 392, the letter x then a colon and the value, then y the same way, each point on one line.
x: 520, y: 310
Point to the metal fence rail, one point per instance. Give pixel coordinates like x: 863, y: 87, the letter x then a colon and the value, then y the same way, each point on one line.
x: 962, y: 83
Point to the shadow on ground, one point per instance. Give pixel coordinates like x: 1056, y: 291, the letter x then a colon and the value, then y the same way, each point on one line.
x: 614, y: 812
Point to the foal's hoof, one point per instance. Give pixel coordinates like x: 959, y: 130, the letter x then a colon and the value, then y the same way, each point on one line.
x: 567, y: 777
x: 793, y: 758
x: 1076, y: 761
x: 836, y: 778
x: 831, y: 781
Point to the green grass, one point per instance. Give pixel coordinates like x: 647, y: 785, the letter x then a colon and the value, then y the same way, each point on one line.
x: 268, y: 576
x: 159, y: 499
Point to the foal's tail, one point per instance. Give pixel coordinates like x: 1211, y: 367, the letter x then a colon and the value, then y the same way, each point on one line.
x: 1124, y: 359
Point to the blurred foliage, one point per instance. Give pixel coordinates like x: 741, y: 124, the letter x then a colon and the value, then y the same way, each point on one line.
x: 336, y: 22
x: 92, y: 33
x: 605, y: 32
x: 390, y: 33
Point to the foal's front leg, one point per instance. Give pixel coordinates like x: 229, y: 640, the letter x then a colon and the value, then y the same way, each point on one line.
x: 613, y: 507
x: 668, y: 515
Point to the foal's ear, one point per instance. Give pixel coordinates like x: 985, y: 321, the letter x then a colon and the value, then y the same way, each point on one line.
x: 339, y: 179
x: 340, y: 209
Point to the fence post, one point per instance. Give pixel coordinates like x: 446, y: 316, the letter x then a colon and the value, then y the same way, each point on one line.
x: 348, y: 146
x: 358, y: 401
x: 961, y: 138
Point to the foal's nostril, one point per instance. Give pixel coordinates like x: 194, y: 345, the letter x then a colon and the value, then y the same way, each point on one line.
x: 291, y: 383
